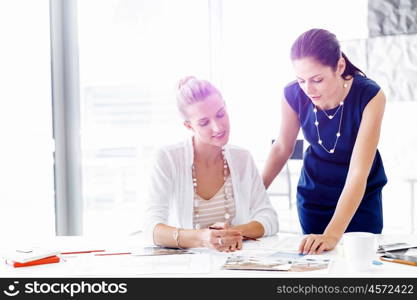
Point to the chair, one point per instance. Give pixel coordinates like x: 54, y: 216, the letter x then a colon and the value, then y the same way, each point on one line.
x: 296, y: 155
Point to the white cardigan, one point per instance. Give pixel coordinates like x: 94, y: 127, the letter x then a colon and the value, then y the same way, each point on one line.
x: 171, y: 191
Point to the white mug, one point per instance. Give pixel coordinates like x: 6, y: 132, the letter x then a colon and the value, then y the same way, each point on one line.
x: 360, y: 250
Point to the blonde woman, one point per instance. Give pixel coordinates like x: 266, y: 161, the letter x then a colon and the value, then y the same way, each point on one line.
x: 204, y: 183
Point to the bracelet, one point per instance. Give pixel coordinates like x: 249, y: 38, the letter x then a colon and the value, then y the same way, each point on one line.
x: 176, y: 237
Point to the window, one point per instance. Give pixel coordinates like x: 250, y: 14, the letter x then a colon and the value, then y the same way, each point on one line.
x: 26, y: 173
x: 132, y: 54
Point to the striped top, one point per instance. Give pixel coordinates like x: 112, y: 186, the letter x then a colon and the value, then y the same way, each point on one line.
x: 210, y: 211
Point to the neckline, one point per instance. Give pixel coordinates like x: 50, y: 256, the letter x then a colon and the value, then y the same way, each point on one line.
x: 217, y: 193
x: 189, y: 145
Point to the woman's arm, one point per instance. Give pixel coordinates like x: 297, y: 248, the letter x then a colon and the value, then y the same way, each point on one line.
x: 360, y: 165
x: 160, y: 189
x: 263, y: 219
x: 253, y: 229
x: 283, y: 147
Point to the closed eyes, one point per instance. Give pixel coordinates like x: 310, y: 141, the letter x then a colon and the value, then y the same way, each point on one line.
x: 219, y: 115
x: 313, y: 80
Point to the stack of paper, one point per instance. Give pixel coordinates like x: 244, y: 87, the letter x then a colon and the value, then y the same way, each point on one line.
x: 395, y: 247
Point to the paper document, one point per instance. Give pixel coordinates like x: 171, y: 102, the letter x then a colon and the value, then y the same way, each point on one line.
x: 281, y: 242
x: 395, y: 247
x: 279, y: 261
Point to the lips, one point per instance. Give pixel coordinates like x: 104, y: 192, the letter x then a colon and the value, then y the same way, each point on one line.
x: 220, y: 135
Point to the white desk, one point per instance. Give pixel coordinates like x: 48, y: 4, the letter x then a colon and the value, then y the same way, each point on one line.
x: 206, y: 264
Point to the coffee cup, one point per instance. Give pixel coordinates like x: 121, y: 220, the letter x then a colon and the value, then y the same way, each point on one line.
x: 360, y: 250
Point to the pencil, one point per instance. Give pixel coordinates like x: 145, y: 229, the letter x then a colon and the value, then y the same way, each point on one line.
x: 399, y: 261
x: 243, y: 236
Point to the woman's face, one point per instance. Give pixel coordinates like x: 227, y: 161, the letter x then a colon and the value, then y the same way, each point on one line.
x: 209, y: 121
x: 319, y: 82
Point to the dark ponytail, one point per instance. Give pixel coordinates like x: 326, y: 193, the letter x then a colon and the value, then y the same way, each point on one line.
x: 324, y: 47
x: 350, y: 69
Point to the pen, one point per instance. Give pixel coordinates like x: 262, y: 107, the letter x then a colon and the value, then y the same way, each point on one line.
x: 243, y: 236
x: 399, y: 261
x: 82, y: 252
x: 249, y: 238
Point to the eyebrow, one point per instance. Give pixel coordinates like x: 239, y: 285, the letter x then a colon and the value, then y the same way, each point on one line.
x: 310, y: 77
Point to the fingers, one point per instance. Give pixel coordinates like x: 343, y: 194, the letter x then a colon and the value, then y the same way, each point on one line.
x: 302, y: 244
x: 239, y: 245
x: 225, y: 240
x: 230, y: 244
x: 233, y: 247
x: 322, y: 248
x: 308, y: 243
x: 311, y: 244
x: 231, y: 240
x: 216, y: 242
x: 315, y: 245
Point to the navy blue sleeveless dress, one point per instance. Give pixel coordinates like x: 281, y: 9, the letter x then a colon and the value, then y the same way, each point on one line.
x: 323, y: 174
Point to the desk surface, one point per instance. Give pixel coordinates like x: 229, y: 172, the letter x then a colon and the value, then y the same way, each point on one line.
x: 206, y: 263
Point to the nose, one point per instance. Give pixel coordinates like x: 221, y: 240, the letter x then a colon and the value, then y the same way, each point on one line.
x: 216, y: 126
x: 309, y: 88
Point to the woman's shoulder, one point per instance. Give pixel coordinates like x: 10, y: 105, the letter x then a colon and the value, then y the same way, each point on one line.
x: 237, y: 149
x: 364, y: 89
x: 295, y: 96
x: 365, y: 84
x: 292, y: 84
x: 238, y: 153
x: 292, y: 90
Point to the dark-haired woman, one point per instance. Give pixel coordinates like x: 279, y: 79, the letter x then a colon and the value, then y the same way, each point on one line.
x: 340, y: 112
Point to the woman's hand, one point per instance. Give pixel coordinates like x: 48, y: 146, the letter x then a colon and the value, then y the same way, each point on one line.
x: 317, y: 243
x: 224, y: 240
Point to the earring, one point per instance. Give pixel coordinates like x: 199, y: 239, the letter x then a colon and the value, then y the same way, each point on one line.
x: 345, y: 85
